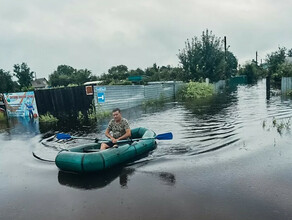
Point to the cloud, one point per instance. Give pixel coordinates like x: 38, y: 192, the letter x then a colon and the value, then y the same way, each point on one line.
x: 100, y: 34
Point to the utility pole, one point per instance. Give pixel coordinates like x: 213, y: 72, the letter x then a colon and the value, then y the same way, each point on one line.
x: 225, y: 48
x: 256, y: 58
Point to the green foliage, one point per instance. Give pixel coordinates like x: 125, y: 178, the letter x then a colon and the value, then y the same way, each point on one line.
x: 48, y: 118
x: 205, y: 58
x: 66, y: 75
x: 98, y: 113
x: 195, y: 90
x: 2, y: 116
x: 25, y: 89
x: 23, y: 74
x: 80, y: 116
x: 277, y: 65
x: 115, y: 74
x: 275, y: 59
x: 284, y: 70
x: 6, y: 83
x: 118, y: 75
x: 252, y: 71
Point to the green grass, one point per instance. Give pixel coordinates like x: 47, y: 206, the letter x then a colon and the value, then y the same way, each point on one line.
x: 48, y: 118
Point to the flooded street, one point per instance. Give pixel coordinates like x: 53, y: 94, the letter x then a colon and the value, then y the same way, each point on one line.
x: 230, y: 158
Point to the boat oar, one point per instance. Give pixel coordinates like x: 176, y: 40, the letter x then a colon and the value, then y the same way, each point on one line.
x: 165, y: 136
x: 63, y: 136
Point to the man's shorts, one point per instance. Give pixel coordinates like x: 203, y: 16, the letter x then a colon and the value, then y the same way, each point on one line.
x: 110, y: 144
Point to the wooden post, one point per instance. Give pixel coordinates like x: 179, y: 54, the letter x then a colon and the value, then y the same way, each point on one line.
x: 268, y: 86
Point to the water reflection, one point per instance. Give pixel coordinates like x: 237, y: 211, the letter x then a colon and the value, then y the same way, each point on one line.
x: 20, y: 126
x: 102, y: 179
x: 95, y: 180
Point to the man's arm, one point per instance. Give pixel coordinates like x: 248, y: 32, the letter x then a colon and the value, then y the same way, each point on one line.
x: 125, y: 136
x: 107, y: 133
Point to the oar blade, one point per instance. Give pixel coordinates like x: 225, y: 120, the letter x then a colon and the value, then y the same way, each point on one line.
x: 61, y: 136
x: 165, y: 136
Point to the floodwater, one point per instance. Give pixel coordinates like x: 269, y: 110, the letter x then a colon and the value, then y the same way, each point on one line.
x: 230, y: 158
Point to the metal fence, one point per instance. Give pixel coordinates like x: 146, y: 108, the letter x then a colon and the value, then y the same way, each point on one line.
x: 124, y: 97
x: 286, y: 84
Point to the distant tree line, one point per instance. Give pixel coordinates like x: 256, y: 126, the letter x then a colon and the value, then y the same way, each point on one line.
x: 276, y: 66
x: 202, y: 57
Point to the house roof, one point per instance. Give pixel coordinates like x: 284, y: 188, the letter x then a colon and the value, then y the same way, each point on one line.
x: 40, y: 83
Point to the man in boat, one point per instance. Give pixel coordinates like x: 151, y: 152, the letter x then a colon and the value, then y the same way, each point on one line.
x: 118, y: 129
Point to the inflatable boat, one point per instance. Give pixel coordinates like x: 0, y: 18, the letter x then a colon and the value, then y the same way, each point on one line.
x: 89, y: 158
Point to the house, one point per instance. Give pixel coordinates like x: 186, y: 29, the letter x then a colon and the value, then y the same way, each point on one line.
x: 40, y: 83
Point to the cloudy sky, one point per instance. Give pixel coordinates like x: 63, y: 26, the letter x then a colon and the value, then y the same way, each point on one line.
x: 99, y: 34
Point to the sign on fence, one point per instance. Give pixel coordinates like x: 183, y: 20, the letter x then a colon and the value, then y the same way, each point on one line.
x: 21, y: 104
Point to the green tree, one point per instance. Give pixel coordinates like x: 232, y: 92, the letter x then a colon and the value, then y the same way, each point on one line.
x: 6, y: 83
x: 205, y: 58
x: 231, y: 65
x: 65, y: 75
x: 115, y: 75
x: 289, y: 53
x: 62, y: 76
x: 23, y: 74
x: 81, y: 76
x: 274, y: 60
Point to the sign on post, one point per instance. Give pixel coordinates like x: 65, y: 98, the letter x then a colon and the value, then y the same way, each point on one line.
x: 100, y: 97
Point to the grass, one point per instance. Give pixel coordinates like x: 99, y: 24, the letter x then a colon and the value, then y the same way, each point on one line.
x: 48, y: 118
x: 280, y: 124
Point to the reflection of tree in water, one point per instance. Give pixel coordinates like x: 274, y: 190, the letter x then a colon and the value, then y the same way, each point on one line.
x: 102, y: 179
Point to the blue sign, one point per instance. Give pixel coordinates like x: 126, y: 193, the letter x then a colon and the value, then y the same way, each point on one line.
x: 100, y: 97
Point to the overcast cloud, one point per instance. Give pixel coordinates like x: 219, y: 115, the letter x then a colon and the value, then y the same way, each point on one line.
x: 97, y: 34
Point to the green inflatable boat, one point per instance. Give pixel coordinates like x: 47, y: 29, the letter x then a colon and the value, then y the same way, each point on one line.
x: 88, y: 158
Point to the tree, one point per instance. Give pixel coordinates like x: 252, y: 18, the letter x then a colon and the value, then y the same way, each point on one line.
x: 250, y: 70
x: 81, y: 76
x: 23, y: 74
x: 231, y: 65
x: 61, y: 76
x: 289, y: 53
x: 6, y: 83
x: 65, y: 75
x: 275, y: 59
x: 205, y: 58
x: 115, y: 75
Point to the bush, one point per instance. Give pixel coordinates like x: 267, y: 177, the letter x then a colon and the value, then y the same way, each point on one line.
x: 2, y: 116
x: 196, y: 90
x: 48, y: 118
